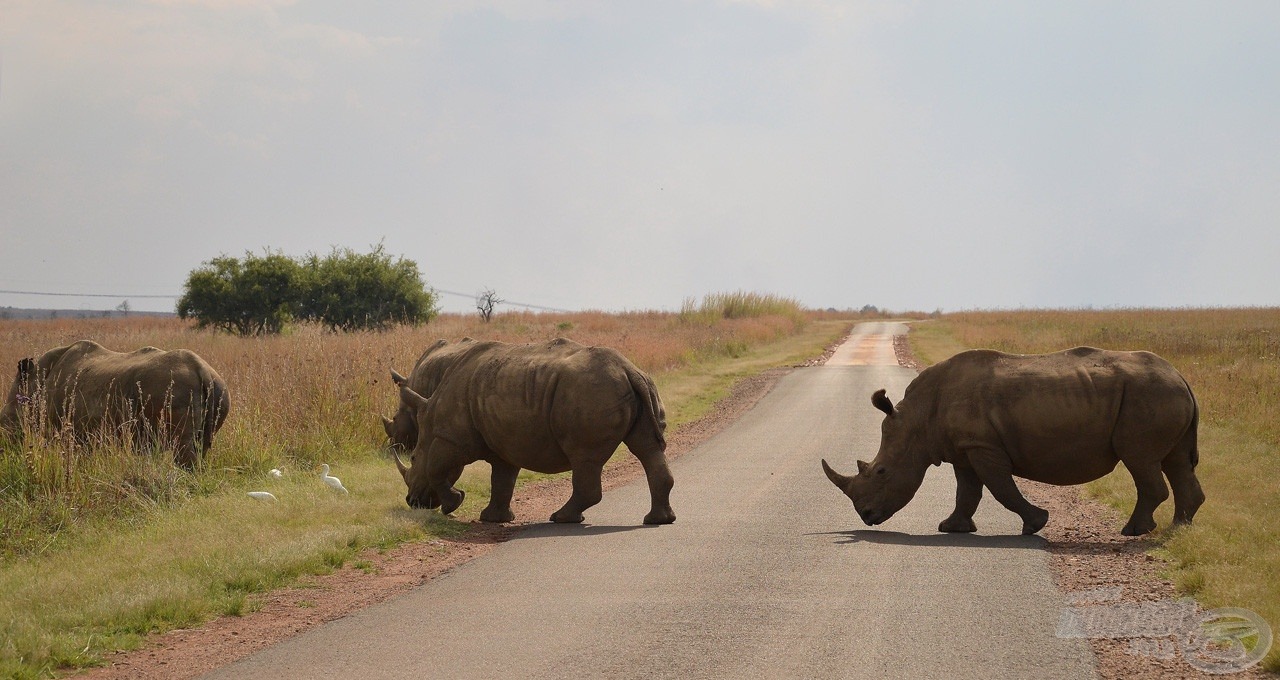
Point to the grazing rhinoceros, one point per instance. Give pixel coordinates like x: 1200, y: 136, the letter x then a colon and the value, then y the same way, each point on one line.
x: 549, y: 407
x: 173, y: 398
x: 1063, y: 418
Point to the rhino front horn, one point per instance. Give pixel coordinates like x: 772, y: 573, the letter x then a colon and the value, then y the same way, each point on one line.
x: 404, y: 470
x: 841, y: 481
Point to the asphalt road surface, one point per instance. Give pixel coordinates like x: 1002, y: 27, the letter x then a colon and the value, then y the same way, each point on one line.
x: 767, y: 573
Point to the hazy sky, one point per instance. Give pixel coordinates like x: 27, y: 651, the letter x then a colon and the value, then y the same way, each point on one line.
x: 627, y: 155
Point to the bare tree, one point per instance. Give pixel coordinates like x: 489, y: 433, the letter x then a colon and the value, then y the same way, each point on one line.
x: 486, y: 302
x: 124, y: 308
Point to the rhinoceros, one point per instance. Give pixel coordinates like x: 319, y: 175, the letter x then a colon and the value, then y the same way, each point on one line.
x: 172, y: 398
x: 550, y: 407
x: 1064, y: 418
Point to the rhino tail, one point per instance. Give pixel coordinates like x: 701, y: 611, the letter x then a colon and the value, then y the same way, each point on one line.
x: 1192, y: 432
x: 216, y: 404
x: 652, y: 419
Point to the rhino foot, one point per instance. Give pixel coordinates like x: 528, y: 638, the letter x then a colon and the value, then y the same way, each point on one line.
x: 958, y: 525
x: 497, y: 515
x: 1136, y: 528
x: 451, y: 502
x: 562, y: 517
x: 1034, y: 521
x: 663, y: 516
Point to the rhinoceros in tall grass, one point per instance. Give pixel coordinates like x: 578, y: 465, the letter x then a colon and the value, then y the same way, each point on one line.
x: 551, y: 407
x: 172, y: 398
x: 1064, y: 418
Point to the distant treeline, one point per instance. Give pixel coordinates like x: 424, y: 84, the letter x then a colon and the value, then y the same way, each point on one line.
x: 21, y: 313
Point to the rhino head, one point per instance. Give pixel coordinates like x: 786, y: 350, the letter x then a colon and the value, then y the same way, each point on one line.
x: 416, y: 474
x: 886, y: 484
x: 402, y: 428
x: 21, y: 393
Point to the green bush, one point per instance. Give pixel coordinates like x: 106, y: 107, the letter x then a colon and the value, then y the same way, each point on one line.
x: 349, y: 291
x: 255, y: 296
x: 344, y: 291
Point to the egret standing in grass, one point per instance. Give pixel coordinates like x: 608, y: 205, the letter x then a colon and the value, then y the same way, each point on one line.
x: 331, y: 480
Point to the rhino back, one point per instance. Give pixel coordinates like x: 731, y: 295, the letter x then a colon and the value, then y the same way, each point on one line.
x: 536, y: 405
x: 86, y: 380
x: 1059, y: 415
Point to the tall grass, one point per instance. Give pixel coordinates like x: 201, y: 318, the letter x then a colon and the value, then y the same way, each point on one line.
x: 298, y: 399
x: 101, y: 545
x: 1231, y: 358
x: 741, y: 305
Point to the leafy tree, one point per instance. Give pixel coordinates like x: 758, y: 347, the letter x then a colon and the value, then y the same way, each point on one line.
x: 348, y: 291
x: 253, y: 296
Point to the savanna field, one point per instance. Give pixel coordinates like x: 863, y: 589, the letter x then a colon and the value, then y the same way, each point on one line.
x: 99, y: 548
x: 102, y: 545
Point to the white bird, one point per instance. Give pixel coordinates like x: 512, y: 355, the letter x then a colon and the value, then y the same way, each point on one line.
x: 262, y: 495
x: 277, y: 473
x: 331, y: 480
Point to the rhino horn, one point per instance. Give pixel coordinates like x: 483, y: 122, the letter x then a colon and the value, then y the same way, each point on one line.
x: 414, y: 400
x: 404, y: 469
x: 841, y: 481
x: 387, y: 425
x: 398, y: 379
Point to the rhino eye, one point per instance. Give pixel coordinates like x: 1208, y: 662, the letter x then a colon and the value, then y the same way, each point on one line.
x: 880, y: 471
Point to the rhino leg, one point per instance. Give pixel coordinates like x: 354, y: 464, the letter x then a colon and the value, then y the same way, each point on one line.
x: 444, y: 466
x: 968, y: 494
x: 1152, y: 491
x: 586, y: 491
x: 1187, y: 494
x: 660, y: 483
x: 996, y: 472
x: 503, y: 481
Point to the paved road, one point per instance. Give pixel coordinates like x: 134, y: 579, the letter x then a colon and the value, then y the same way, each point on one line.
x: 766, y: 574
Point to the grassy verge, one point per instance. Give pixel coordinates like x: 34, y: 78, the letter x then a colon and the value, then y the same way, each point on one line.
x: 110, y: 571
x: 1231, y: 358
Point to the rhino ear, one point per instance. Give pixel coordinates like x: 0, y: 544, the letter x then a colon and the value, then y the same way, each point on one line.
x: 397, y: 378
x: 882, y: 402
x: 26, y: 366
x: 863, y: 466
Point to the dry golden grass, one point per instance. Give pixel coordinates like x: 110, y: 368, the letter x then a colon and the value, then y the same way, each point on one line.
x: 100, y: 546
x: 298, y: 399
x: 1231, y: 358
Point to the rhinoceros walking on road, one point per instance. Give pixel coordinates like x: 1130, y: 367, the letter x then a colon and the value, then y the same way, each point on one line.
x: 549, y: 407
x: 174, y: 397
x: 1063, y: 418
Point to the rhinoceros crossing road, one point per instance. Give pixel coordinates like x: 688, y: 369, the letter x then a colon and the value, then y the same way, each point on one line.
x: 766, y: 574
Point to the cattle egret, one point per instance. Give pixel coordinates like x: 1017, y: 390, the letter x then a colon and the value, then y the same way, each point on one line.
x: 331, y: 480
x: 262, y: 495
x: 277, y: 473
